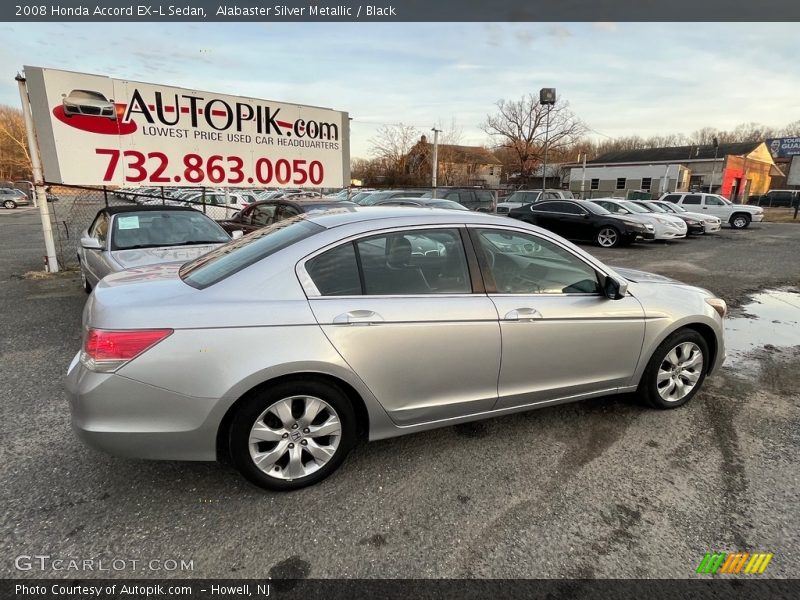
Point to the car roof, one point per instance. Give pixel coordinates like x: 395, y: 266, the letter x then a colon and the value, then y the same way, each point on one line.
x: 113, y: 210
x: 411, y: 215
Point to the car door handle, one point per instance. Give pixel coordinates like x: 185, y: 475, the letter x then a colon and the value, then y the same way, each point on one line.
x: 525, y: 315
x: 358, y: 317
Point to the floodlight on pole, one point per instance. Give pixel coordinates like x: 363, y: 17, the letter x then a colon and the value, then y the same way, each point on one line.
x: 547, y: 97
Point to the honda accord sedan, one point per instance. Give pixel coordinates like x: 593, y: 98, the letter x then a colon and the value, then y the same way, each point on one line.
x: 279, y: 351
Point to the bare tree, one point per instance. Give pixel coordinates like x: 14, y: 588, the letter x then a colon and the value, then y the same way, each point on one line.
x: 15, y: 161
x: 521, y: 127
x: 392, y: 144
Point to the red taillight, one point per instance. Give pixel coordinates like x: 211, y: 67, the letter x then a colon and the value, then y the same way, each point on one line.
x: 105, y: 350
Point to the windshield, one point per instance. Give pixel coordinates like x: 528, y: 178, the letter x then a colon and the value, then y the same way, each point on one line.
x: 673, y: 208
x: 654, y: 207
x: 446, y: 204
x: 595, y: 208
x: 153, y: 229
x: 633, y: 207
x: 523, y: 197
x: 231, y: 258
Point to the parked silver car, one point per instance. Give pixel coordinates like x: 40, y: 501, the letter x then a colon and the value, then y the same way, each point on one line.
x: 121, y: 237
x: 281, y: 349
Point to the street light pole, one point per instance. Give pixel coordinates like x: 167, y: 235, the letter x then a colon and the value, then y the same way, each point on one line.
x: 547, y: 97
x: 435, y: 162
x: 713, y: 167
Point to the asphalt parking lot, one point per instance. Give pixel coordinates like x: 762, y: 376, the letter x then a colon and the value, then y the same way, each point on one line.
x: 603, y: 488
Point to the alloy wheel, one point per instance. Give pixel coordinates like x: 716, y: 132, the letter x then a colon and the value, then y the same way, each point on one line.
x: 607, y: 237
x: 9, y: 204
x: 679, y: 372
x: 739, y: 222
x: 295, y: 437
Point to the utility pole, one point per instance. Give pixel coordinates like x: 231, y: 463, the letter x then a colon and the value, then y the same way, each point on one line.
x: 435, y: 165
x: 714, y: 167
x: 547, y: 97
x: 38, y: 179
x: 583, y: 176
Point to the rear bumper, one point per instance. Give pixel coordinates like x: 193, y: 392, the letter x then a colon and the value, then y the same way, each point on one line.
x: 128, y: 418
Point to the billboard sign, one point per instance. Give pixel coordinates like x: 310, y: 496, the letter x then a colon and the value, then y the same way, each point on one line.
x: 793, y: 177
x: 784, y: 147
x: 95, y: 130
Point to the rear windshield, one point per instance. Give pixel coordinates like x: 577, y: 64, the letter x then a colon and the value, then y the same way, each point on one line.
x: 235, y: 256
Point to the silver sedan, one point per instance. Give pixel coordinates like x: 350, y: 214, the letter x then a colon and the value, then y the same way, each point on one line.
x: 122, y: 237
x: 280, y: 350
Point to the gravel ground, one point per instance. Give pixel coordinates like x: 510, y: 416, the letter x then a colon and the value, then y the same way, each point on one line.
x: 602, y: 488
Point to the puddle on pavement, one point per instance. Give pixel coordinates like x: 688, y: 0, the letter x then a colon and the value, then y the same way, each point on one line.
x: 771, y: 318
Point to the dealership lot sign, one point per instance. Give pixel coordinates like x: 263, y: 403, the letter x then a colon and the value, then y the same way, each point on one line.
x: 95, y: 130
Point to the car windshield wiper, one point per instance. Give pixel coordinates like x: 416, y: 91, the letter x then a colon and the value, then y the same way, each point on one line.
x: 192, y: 242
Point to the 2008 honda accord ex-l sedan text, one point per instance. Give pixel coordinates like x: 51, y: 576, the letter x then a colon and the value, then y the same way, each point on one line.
x: 280, y: 350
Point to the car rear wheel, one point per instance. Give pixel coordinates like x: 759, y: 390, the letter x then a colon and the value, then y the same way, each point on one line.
x: 292, y: 435
x: 740, y: 221
x: 10, y: 204
x: 676, y: 370
x: 608, y: 237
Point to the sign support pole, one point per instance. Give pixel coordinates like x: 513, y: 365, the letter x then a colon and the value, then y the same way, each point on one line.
x: 38, y: 179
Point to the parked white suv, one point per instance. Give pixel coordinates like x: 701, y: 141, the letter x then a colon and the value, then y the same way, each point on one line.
x: 738, y: 216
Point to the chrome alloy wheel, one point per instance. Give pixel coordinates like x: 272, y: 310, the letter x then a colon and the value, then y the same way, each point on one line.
x: 679, y: 371
x: 295, y: 437
x: 607, y: 237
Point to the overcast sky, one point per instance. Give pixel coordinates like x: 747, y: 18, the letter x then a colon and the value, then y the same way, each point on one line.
x: 620, y: 78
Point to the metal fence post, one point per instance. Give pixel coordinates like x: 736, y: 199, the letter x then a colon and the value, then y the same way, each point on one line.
x: 105, y: 195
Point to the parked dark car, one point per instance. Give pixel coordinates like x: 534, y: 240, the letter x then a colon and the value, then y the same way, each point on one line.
x: 473, y: 198
x: 582, y: 221
x: 775, y: 198
x: 266, y: 212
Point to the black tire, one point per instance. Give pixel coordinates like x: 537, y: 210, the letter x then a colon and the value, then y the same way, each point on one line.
x: 248, y: 413
x: 740, y: 220
x: 9, y: 204
x: 608, y: 236
x: 648, y: 386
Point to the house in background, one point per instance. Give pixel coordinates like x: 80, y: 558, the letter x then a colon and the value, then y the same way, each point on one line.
x: 458, y: 165
x: 732, y: 170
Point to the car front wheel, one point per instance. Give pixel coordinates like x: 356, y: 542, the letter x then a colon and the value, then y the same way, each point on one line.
x: 676, y: 370
x: 740, y: 221
x: 292, y: 435
x: 10, y: 204
x: 608, y: 237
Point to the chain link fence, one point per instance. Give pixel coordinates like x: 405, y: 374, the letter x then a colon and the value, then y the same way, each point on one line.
x: 73, y: 208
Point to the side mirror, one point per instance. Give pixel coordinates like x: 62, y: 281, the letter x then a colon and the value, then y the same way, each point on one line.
x: 90, y: 243
x: 236, y: 235
x: 615, y: 289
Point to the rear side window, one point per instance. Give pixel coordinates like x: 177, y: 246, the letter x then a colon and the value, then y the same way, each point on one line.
x: 429, y: 261
x: 231, y: 258
x: 693, y: 199
x: 335, y: 272
x: 673, y: 198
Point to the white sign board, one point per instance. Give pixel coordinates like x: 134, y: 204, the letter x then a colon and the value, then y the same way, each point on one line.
x: 94, y: 130
x: 793, y: 177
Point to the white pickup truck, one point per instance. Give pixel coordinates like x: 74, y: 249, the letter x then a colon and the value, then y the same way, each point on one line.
x: 738, y: 216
